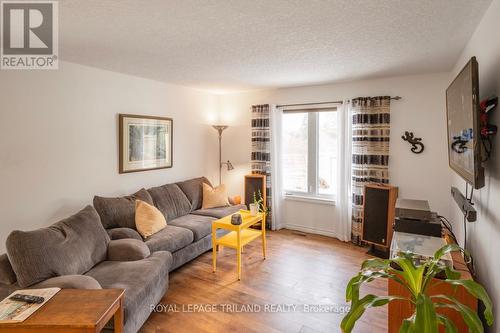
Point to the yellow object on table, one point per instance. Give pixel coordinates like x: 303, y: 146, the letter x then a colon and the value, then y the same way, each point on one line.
x: 239, y: 236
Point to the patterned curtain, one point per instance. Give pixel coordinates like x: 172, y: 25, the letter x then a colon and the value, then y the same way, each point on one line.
x: 261, y: 149
x: 370, y: 151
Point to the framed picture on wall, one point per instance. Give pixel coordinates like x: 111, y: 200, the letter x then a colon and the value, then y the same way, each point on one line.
x: 145, y: 143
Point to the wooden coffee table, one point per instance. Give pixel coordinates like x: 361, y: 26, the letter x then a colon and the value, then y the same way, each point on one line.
x: 74, y: 311
x: 239, y: 236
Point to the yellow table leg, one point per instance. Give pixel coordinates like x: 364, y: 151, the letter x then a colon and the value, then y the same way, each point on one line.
x: 238, y: 253
x: 263, y: 230
x: 214, y: 249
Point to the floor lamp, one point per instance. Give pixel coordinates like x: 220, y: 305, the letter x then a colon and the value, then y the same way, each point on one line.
x: 220, y: 129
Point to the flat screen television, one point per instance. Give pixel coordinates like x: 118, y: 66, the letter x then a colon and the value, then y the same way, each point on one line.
x: 463, y: 117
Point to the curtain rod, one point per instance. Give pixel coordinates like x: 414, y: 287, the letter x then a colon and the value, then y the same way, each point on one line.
x: 397, y: 98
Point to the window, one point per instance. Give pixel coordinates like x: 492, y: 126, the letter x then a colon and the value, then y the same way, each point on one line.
x: 310, y: 152
x: 295, y: 152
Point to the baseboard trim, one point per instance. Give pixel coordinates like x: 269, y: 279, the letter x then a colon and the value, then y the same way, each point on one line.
x: 311, y: 230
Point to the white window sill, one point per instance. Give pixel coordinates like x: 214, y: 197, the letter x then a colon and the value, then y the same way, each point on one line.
x: 310, y: 199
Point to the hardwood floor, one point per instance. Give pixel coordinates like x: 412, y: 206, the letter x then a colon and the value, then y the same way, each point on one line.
x: 300, y: 270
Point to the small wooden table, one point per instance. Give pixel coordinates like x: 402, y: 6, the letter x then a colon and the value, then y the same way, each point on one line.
x: 74, y: 311
x: 239, y: 236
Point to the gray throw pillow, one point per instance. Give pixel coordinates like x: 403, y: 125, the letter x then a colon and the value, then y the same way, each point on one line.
x: 193, y: 190
x: 68, y: 247
x: 120, y: 212
x: 170, y: 200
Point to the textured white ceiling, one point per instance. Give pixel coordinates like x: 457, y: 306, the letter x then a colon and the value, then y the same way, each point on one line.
x: 245, y: 44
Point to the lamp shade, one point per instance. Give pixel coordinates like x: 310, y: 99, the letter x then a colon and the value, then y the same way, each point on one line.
x: 220, y: 128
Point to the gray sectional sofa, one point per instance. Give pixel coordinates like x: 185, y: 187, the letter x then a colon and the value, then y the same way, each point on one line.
x: 99, y: 248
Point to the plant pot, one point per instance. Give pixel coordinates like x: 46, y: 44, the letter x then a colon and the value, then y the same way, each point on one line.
x: 254, y: 209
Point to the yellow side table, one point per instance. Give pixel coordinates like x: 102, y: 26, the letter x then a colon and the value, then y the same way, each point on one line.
x: 239, y: 236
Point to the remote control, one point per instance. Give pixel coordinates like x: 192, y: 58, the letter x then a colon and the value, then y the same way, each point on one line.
x: 27, y: 298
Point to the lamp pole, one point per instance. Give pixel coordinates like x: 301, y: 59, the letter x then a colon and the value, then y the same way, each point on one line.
x: 220, y: 157
x: 220, y: 129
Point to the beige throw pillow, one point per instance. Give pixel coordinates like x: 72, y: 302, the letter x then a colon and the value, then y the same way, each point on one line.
x: 214, y: 197
x: 148, y: 219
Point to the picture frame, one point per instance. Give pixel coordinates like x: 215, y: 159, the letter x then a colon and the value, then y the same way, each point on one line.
x: 145, y: 143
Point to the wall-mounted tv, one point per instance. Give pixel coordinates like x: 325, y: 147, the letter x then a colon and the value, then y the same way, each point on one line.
x: 463, y: 117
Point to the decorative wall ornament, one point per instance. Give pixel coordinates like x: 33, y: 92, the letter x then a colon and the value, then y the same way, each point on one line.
x: 145, y: 143
x: 417, y: 145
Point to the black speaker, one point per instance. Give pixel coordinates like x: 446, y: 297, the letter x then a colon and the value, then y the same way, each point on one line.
x: 379, y: 202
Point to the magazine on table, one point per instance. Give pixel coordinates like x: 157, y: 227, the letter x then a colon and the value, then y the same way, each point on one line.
x: 12, y: 311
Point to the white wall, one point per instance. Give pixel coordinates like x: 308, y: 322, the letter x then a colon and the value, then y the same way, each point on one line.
x: 483, y: 238
x: 59, y: 142
x: 421, y: 111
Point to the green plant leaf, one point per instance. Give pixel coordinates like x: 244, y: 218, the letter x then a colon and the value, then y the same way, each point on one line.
x: 476, y: 290
x: 433, y: 269
x: 408, y: 325
x: 354, y: 285
x: 425, y: 315
x: 412, y: 275
x: 452, y: 274
x: 469, y: 316
x: 375, y: 264
x: 352, y: 289
x: 449, y: 326
x: 359, y: 307
x: 446, y: 249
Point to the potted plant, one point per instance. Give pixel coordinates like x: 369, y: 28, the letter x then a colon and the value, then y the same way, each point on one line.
x: 417, y: 279
x: 258, y: 205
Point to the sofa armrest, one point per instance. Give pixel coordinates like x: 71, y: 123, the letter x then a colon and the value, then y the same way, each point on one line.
x: 69, y: 282
x: 7, y: 275
x: 122, y: 233
x: 127, y: 250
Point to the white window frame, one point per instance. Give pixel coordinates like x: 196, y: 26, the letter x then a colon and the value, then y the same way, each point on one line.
x: 312, y: 193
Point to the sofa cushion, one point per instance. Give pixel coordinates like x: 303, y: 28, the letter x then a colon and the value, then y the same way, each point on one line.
x: 201, y: 226
x: 171, y: 239
x: 120, y: 212
x: 127, y: 250
x: 170, y: 200
x: 122, y: 233
x: 219, y: 212
x: 191, y: 251
x: 71, y: 246
x: 145, y: 282
x: 193, y: 190
x: 69, y: 282
x: 148, y: 219
x: 214, y: 197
